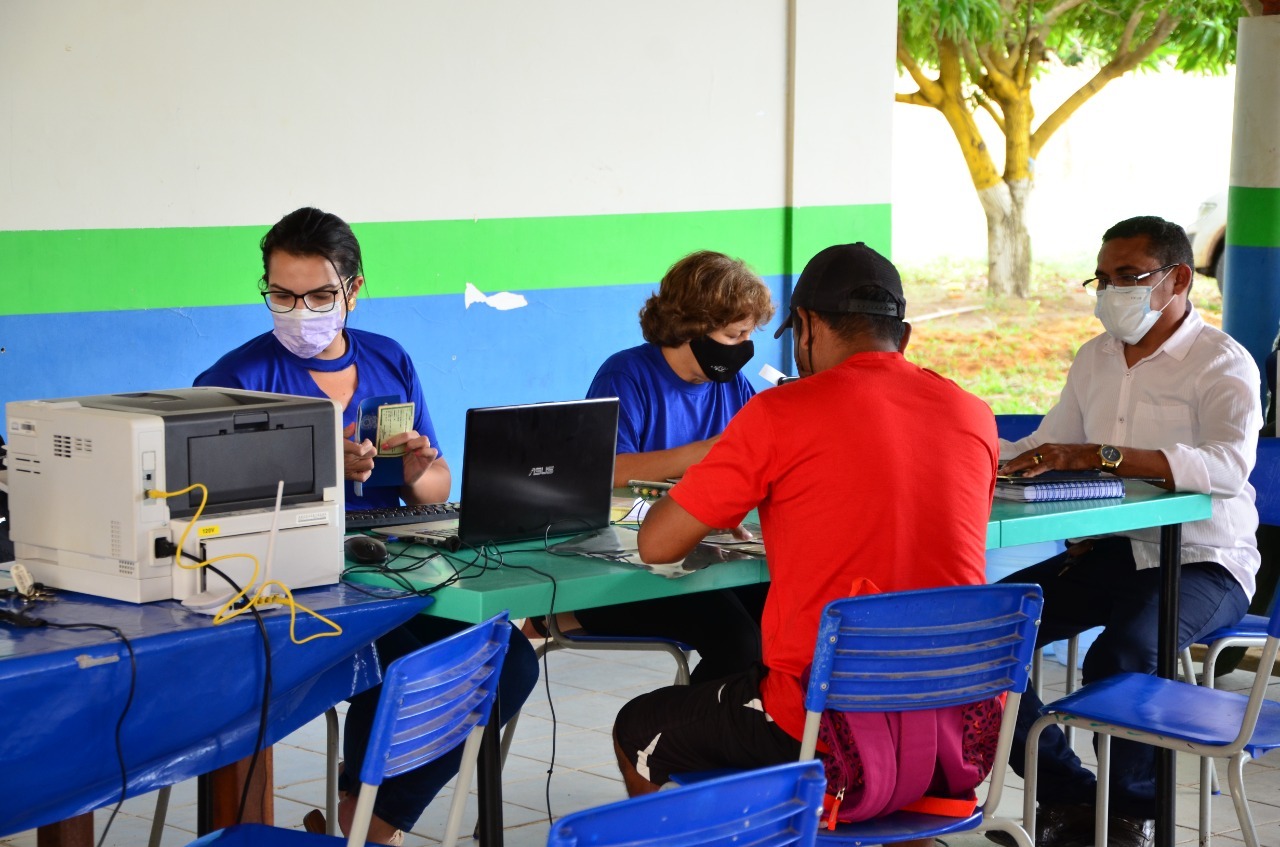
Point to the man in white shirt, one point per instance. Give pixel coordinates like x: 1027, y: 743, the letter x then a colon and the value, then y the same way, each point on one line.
x: 1159, y: 394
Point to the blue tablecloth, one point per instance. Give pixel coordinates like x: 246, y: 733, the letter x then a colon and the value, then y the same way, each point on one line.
x: 197, y: 700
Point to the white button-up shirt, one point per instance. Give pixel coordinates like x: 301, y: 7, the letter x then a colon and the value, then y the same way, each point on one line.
x: 1196, y: 400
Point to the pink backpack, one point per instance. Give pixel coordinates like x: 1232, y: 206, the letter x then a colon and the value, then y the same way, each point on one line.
x: 927, y: 761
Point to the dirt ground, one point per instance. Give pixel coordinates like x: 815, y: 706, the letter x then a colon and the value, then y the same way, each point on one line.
x: 1014, y: 353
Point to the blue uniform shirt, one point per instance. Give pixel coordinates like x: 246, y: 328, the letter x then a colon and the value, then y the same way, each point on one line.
x: 658, y: 410
x: 382, y: 367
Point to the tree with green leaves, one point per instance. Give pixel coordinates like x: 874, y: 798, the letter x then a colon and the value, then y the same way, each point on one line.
x: 970, y: 55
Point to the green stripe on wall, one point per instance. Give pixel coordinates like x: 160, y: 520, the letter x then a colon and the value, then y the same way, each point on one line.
x: 113, y: 269
x: 1253, y: 217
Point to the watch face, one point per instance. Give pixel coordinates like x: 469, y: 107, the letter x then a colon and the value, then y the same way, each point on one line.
x: 1110, y: 454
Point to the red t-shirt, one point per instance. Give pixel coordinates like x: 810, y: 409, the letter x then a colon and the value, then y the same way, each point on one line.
x: 874, y: 469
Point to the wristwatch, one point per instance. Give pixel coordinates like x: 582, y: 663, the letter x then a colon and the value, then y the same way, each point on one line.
x: 1111, y: 457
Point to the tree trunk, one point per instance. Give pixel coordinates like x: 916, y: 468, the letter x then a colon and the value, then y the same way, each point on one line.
x: 1008, y: 242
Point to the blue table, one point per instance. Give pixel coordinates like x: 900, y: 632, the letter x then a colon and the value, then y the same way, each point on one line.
x: 197, y: 694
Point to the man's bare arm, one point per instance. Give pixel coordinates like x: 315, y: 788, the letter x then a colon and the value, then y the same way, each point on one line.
x: 669, y: 532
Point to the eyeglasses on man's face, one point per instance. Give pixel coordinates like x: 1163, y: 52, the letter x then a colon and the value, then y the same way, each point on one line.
x: 317, y: 300
x: 1102, y: 283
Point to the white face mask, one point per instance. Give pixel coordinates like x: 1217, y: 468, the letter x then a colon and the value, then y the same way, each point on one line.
x: 305, y: 333
x: 1126, y: 313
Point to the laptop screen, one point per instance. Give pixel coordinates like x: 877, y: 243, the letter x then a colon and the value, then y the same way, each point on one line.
x: 537, y: 470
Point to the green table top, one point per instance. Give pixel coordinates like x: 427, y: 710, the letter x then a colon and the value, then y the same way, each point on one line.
x: 1013, y: 523
x: 581, y: 582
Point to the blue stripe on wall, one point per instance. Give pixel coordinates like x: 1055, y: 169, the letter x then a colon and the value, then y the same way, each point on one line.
x: 1251, y: 298
x: 548, y: 350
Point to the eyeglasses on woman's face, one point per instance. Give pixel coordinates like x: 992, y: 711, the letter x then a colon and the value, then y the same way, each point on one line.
x: 316, y: 300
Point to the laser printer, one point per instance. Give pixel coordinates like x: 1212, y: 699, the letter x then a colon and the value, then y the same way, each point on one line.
x: 82, y: 471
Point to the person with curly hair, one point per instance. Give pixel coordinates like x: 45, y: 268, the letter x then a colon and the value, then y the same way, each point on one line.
x: 677, y: 391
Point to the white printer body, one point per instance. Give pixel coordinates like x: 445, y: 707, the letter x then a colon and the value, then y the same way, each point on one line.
x: 80, y: 470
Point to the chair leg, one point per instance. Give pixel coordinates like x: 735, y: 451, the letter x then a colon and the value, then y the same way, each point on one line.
x: 1101, y: 806
x: 1206, y: 809
x: 1207, y: 672
x: 1073, y: 671
x: 1031, y: 772
x: 1037, y: 666
x: 1189, y: 667
x: 682, y: 666
x: 363, y: 815
x: 157, y: 821
x: 331, y: 772
x: 462, y: 787
x: 1235, y: 778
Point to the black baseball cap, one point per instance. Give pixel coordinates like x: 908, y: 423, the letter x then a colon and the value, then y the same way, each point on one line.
x: 827, y: 283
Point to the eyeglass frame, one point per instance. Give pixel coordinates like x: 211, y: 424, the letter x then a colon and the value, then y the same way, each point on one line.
x: 1103, y: 283
x: 343, y: 288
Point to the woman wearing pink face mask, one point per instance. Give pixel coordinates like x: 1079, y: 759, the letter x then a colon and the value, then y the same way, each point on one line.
x: 311, y: 277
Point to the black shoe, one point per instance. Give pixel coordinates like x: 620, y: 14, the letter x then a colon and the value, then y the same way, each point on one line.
x: 1056, y: 826
x: 1130, y: 832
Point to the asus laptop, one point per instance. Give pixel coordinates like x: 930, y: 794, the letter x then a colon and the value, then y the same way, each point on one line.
x: 530, y: 472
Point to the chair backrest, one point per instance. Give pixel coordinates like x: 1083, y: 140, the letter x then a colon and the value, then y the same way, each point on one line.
x: 775, y: 806
x: 924, y: 649
x: 1265, y: 480
x: 432, y: 698
x: 1013, y: 427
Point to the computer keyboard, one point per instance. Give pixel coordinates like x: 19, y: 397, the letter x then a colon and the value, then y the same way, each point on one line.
x: 400, y: 515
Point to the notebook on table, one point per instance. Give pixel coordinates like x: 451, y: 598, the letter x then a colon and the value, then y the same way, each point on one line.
x: 530, y: 472
x: 1060, y: 485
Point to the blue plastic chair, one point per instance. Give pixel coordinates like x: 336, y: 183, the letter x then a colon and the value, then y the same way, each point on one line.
x: 1252, y: 630
x: 771, y: 806
x: 1175, y: 715
x: 432, y: 700
x: 1013, y: 427
x: 920, y: 650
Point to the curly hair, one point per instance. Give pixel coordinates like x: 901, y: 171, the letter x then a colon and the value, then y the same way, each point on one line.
x: 701, y: 293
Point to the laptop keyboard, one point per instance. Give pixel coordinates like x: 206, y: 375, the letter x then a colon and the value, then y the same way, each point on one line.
x: 400, y: 515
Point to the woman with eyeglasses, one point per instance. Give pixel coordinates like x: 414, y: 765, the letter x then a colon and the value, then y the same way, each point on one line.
x: 312, y: 275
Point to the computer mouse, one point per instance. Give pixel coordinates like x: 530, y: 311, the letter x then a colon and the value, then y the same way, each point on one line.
x: 365, y: 550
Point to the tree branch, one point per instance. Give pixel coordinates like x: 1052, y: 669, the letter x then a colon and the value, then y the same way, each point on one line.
x: 1002, y: 86
x: 915, y: 98
x: 1120, y: 64
x: 929, y: 90
x: 986, y: 104
x: 1051, y: 16
x: 1130, y: 27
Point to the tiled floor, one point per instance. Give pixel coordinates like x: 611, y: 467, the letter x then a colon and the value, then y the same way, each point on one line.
x: 586, y: 691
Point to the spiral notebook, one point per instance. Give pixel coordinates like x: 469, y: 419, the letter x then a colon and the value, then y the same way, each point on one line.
x: 1060, y: 485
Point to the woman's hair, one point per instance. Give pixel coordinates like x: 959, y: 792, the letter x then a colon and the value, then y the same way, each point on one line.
x: 311, y: 232
x: 703, y: 292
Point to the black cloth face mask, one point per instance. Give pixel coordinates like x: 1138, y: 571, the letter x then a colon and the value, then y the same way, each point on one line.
x: 721, y: 362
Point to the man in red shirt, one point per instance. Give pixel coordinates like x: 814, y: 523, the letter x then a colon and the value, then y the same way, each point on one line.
x: 867, y: 468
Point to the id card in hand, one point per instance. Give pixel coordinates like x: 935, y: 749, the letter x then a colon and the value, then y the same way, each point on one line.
x: 393, y: 419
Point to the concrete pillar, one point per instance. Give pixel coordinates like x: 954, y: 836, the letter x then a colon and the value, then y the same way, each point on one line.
x: 1251, y: 290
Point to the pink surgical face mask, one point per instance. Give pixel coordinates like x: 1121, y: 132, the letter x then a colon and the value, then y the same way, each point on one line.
x: 305, y: 333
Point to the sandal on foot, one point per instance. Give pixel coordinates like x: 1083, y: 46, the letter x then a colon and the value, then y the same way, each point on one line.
x: 314, y: 822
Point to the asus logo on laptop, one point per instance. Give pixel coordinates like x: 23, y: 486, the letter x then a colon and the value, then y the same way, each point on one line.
x: 542, y: 470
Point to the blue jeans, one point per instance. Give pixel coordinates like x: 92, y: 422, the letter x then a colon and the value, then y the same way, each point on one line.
x: 1102, y: 587
x: 402, y: 799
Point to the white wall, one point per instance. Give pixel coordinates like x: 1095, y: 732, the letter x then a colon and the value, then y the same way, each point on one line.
x: 143, y: 113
